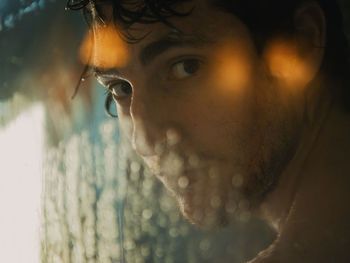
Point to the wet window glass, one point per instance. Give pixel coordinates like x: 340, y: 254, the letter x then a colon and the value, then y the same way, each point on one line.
x: 174, y: 131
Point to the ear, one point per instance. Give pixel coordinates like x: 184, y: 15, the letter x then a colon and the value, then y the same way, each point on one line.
x: 310, y: 33
x: 296, y: 61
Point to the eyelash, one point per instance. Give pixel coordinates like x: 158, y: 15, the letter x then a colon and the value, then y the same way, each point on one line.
x: 110, y: 98
x: 177, y: 66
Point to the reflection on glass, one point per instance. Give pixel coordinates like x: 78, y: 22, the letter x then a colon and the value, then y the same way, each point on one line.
x: 224, y: 115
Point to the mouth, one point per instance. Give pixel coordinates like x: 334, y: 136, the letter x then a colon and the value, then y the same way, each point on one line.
x: 199, y: 192
x: 186, y: 176
x: 182, y: 182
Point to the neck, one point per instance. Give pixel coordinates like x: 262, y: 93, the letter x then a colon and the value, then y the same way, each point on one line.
x: 277, y: 205
x: 313, y: 194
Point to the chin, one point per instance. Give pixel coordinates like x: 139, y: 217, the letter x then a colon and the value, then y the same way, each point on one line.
x: 208, y: 202
x: 200, y: 213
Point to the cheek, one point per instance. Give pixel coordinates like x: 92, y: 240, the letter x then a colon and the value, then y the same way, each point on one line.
x: 223, y: 117
x: 220, y: 124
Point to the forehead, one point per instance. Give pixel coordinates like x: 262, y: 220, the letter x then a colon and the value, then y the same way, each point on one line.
x: 205, y: 29
x: 204, y: 20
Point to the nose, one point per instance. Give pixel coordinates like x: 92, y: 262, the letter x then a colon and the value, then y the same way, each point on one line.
x: 149, y: 124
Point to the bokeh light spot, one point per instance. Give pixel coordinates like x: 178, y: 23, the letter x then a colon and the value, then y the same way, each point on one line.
x: 286, y: 64
x: 103, y: 47
x: 232, y: 68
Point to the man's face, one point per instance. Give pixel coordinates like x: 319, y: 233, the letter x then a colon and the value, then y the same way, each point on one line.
x: 203, y: 111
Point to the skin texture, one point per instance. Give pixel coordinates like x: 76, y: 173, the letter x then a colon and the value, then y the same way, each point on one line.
x: 229, y: 125
x: 231, y: 133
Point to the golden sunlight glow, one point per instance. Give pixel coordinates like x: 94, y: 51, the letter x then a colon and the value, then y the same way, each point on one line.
x: 21, y: 154
x: 286, y: 64
x: 103, y: 47
x: 231, y: 66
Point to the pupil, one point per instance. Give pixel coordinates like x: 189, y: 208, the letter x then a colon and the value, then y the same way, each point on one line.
x: 126, y: 88
x: 191, y: 66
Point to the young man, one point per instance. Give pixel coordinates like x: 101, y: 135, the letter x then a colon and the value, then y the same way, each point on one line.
x: 237, y: 108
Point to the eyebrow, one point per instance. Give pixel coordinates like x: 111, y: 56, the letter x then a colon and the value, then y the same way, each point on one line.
x: 173, y: 40
x: 154, y: 49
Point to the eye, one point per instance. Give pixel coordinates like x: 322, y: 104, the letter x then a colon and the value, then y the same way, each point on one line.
x: 184, y: 69
x: 120, y: 90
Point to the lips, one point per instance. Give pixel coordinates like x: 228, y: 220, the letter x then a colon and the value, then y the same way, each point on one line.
x: 182, y: 173
x: 183, y: 181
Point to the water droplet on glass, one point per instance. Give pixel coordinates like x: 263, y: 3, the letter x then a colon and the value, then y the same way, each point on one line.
x: 173, y: 137
x: 230, y: 207
x: 147, y: 214
x: 183, y: 182
x: 173, y: 232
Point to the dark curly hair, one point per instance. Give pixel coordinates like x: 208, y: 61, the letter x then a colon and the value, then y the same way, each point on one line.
x: 264, y: 19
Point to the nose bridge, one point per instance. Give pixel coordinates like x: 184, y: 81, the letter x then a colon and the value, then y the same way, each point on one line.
x: 148, y: 129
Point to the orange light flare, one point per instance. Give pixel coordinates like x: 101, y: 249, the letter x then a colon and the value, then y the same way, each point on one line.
x: 232, y: 67
x: 286, y: 64
x: 103, y: 47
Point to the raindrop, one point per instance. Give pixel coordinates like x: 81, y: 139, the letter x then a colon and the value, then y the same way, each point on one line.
x: 147, y: 214
x: 183, y: 182
x: 129, y: 244
x: 145, y: 251
x: 159, y: 148
x: 173, y: 137
x: 173, y: 232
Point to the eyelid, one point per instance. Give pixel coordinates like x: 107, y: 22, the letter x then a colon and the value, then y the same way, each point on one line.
x: 108, y: 80
x: 117, y: 91
x: 102, y: 80
x: 180, y: 59
x: 110, y: 84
